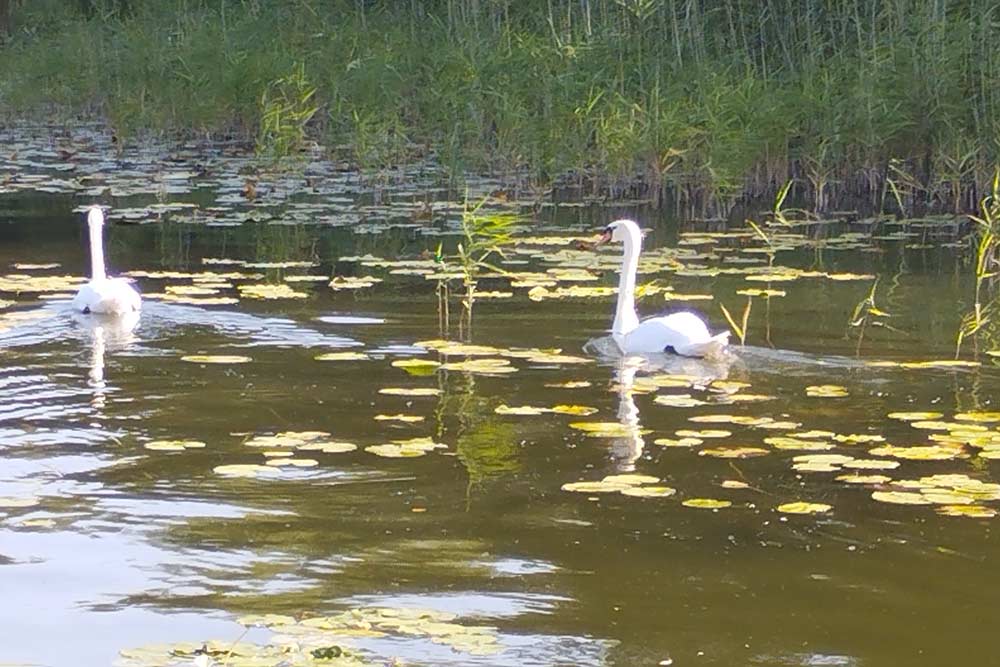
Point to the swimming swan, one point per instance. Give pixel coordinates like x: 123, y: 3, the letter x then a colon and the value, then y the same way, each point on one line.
x: 103, y: 295
x: 684, y: 333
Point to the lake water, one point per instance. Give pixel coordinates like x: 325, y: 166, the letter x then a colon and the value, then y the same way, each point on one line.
x: 464, y: 548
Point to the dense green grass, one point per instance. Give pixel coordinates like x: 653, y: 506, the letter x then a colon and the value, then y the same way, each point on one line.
x: 896, y: 101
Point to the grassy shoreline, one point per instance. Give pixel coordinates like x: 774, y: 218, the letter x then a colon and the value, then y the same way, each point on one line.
x: 892, y: 103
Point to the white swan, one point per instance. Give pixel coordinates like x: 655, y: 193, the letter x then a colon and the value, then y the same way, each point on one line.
x: 684, y: 333
x: 103, y: 295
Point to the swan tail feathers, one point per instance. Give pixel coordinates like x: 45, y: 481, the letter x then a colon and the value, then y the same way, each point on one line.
x: 713, y: 347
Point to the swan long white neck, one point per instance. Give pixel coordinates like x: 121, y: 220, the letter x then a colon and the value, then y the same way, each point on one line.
x: 626, y: 318
x: 95, y: 220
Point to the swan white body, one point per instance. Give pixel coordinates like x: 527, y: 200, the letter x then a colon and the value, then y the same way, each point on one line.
x: 103, y: 295
x: 684, y: 333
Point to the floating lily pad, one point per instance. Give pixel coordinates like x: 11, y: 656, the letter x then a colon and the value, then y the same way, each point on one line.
x: 173, y: 445
x: 649, y: 491
x: 900, y: 498
x: 606, y: 429
x: 631, y: 479
x: 225, y: 359
x: 417, y: 366
x: 678, y: 401
x: 342, y: 356
x: 982, y: 417
x: 826, y: 391
x: 410, y: 391
x: 918, y: 453
x: 970, y: 511
x: 575, y: 410
x: 292, y: 462
x: 595, y: 487
x: 519, y: 410
x: 707, y: 503
x: 400, y: 417
x: 864, y: 479
x: 733, y: 452
x: 678, y: 442
x: 266, y: 291
x: 706, y: 433
x: 915, y: 416
x: 872, y: 464
x: 804, y: 508
x: 241, y: 470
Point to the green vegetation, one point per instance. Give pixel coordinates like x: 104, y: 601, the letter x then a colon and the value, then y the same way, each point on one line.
x: 285, y: 111
x: 484, y: 234
x: 893, y: 102
x: 987, y: 243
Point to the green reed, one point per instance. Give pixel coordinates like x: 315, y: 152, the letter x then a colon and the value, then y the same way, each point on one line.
x: 987, y: 244
x: 286, y: 106
x: 700, y: 103
x: 485, y: 235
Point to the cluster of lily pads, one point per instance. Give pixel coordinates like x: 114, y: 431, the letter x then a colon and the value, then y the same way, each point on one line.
x: 321, y: 640
x: 538, y: 267
x: 966, y: 436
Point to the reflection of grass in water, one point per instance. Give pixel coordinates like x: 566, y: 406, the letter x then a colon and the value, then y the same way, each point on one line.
x: 489, y: 449
x: 485, y: 445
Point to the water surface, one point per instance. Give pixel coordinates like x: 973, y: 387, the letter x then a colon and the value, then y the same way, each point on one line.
x: 106, y: 544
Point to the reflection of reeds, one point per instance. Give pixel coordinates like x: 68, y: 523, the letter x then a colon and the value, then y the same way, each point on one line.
x: 706, y: 102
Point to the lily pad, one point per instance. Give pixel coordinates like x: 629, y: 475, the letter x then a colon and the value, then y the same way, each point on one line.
x: 225, y: 359
x: 804, y: 508
x: 707, y: 503
x: 342, y: 356
x: 649, y: 491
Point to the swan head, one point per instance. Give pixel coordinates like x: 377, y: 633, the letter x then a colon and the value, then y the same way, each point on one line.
x: 621, y: 231
x: 95, y: 216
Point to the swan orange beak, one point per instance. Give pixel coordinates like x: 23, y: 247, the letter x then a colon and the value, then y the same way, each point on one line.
x: 603, y: 238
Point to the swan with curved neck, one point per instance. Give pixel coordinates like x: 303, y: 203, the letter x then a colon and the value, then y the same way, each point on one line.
x: 103, y: 295
x: 684, y: 333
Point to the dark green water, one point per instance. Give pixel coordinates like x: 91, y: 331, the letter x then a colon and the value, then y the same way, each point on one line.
x: 107, y: 545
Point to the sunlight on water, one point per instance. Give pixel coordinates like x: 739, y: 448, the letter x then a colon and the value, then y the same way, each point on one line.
x: 294, y: 438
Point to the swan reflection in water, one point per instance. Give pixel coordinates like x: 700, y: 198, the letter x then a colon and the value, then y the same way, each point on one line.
x: 163, y: 333
x: 105, y: 333
x: 628, y: 447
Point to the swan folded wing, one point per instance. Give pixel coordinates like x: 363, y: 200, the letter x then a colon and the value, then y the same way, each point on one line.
x: 109, y: 296
x: 713, y: 347
x: 683, y: 333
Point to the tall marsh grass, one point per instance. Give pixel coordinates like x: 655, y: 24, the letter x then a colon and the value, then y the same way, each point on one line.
x: 708, y: 101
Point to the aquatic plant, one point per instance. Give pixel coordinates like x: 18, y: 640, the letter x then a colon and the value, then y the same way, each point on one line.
x: 485, y: 234
x: 888, y: 103
x: 287, y: 106
x: 987, y: 242
x: 866, y: 313
x: 739, y: 329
